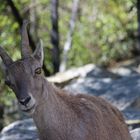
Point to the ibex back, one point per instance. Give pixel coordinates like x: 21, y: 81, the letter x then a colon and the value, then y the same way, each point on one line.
x: 57, y: 114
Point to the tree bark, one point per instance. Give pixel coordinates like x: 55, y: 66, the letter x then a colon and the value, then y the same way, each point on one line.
x: 1, y: 116
x: 34, y: 18
x: 138, y: 20
x: 55, y: 35
x: 68, y: 43
x: 19, y: 19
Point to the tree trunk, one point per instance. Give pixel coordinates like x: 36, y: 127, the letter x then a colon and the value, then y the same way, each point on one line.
x: 34, y: 19
x: 55, y: 35
x: 68, y: 43
x: 138, y: 19
x: 1, y: 116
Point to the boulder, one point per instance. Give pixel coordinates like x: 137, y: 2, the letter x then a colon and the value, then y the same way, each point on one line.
x: 121, y: 90
x: 20, y: 130
x: 135, y: 134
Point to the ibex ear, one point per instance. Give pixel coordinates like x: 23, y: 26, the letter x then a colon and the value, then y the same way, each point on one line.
x: 38, y: 53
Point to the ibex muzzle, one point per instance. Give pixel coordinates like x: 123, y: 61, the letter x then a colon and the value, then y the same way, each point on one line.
x: 20, y: 76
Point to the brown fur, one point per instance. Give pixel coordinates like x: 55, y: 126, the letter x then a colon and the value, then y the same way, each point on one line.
x: 78, y: 117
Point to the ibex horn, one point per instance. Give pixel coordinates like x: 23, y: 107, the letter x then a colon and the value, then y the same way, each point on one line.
x: 5, y: 57
x: 25, y: 48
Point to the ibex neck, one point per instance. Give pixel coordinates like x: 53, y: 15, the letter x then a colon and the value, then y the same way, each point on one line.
x: 50, y: 108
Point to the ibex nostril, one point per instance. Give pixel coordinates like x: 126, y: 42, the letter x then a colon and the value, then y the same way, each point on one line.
x: 25, y: 101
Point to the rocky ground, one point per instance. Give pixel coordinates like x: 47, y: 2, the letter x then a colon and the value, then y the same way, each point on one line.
x: 119, y: 85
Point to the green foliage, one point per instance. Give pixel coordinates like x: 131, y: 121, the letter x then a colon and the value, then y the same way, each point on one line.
x: 102, y: 32
x: 105, y: 29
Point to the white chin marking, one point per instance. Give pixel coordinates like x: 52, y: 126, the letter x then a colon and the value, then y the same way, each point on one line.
x: 30, y: 107
x: 30, y: 111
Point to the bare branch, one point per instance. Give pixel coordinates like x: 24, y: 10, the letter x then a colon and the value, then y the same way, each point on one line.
x: 68, y: 43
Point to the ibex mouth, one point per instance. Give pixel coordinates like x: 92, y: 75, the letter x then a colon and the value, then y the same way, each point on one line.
x: 29, y: 107
x: 29, y: 110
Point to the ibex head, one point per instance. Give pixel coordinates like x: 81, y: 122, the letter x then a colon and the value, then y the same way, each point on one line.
x: 23, y: 76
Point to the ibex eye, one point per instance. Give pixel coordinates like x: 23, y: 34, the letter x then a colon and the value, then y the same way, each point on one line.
x: 38, y: 71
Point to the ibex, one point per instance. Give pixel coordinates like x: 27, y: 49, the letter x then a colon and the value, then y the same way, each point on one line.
x: 57, y: 114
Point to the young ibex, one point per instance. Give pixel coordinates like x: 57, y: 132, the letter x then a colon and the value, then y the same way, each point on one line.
x: 57, y: 114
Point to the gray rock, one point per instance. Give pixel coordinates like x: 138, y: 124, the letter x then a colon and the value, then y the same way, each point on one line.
x: 135, y: 134
x: 20, y: 130
x: 121, y: 91
x: 123, y: 71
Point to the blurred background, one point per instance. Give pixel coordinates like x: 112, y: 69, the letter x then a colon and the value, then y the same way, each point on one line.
x: 74, y: 33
